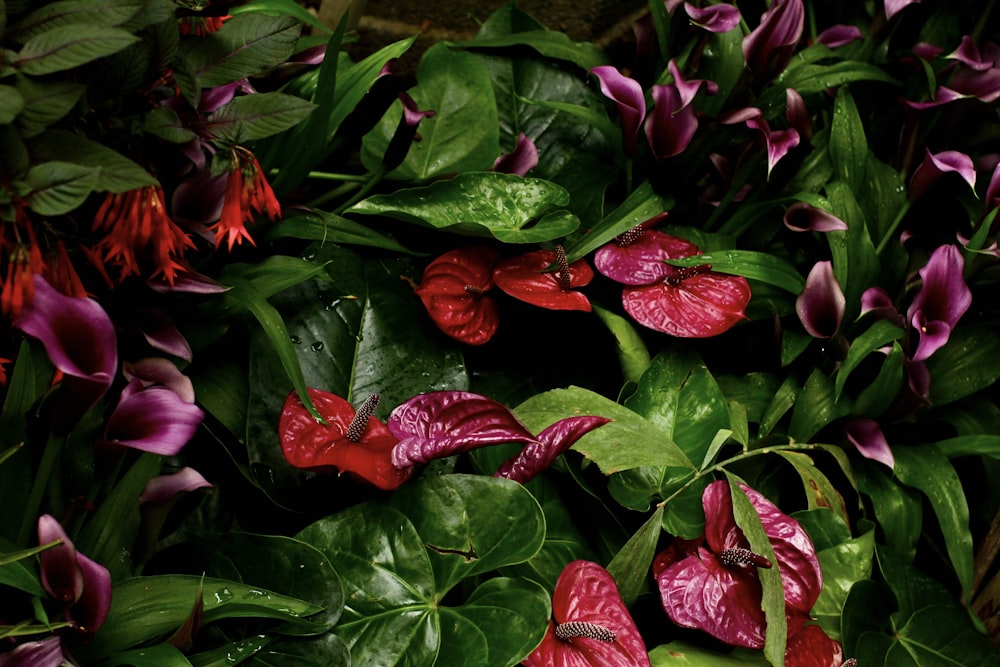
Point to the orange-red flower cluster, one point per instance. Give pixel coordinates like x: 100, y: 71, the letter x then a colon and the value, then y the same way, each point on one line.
x: 201, y: 26
x: 247, y: 192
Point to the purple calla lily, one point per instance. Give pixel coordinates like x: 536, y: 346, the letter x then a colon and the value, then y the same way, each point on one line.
x: 627, y: 95
x: 156, y: 370
x: 936, y: 165
x: 438, y: 424
x: 406, y: 132
x: 839, y: 35
x: 161, y: 333
x: 44, y: 653
x: 521, y: 160
x: 91, y: 609
x: 163, y: 488
x: 152, y: 419
x: 821, y: 305
x: 80, y: 341
x: 778, y: 142
x: 876, y: 300
x: 893, y: 7
x: 797, y: 114
x: 942, y: 300
x: 804, y: 217
x: 687, y: 88
x: 769, y: 47
x: 672, y: 124
x: 714, y: 18
x: 712, y: 584
x: 551, y: 442
x: 867, y: 437
x: 979, y: 75
x: 82, y: 585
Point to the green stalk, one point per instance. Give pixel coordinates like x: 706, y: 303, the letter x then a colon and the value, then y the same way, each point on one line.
x: 892, y: 228
x: 51, y: 453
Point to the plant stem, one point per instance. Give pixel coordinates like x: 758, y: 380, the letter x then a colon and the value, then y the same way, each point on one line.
x: 331, y: 176
x: 332, y: 194
x: 53, y: 448
x: 892, y: 228
x: 376, y: 178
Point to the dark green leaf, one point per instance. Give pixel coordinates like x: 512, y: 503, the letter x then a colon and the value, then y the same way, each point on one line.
x: 934, y: 635
x: 816, y: 78
x: 898, y: 509
x: 632, y: 353
x: 164, y: 123
x: 251, y: 117
x: 784, y: 398
x: 76, y: 14
x: 56, y: 188
x: 11, y: 104
x: 815, y: 407
x: 818, y: 490
x: 640, y: 206
x: 760, y: 266
x: 159, y: 655
x: 721, y: 61
x: 968, y: 363
x: 971, y: 445
x: 45, y: 102
x: 16, y: 470
x: 548, y: 43
x: 881, y: 333
x: 324, y: 651
x: 114, y: 171
x: 332, y: 228
x: 70, y: 46
x: 879, y: 396
x: 281, y: 8
x: 855, y: 263
x: 848, y: 147
x: 246, y: 45
x: 630, y: 565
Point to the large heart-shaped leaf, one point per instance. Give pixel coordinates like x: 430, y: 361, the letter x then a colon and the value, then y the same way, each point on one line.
x: 482, y: 204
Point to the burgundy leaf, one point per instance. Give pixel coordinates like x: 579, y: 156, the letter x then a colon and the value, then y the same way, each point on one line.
x: 528, y: 277
x: 442, y: 423
x: 701, y: 305
x: 453, y: 292
x: 553, y: 441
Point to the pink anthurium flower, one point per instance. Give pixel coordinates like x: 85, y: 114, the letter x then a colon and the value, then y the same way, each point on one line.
x: 821, y: 305
x: 936, y: 165
x: 769, y: 47
x: 553, y: 441
x: 811, y: 647
x: 80, y: 341
x: 712, y: 584
x: 591, y: 626
x: 441, y: 423
x: 942, y: 300
x: 804, y: 217
x: 82, y: 585
x: 627, y: 95
x: 527, y: 277
x: 351, y: 441
x: 867, y: 437
x: 636, y: 257
x: 453, y: 291
x: 153, y: 419
x: 521, y: 160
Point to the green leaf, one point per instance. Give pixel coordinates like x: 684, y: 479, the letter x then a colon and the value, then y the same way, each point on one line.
x: 16, y: 471
x: 810, y: 79
x: 848, y: 147
x: 968, y: 363
x: 971, y: 445
x: 881, y: 393
x: 281, y: 8
x: 70, y: 46
x: 855, y: 262
x: 11, y: 104
x: 819, y: 491
x: 783, y: 400
x: 815, y: 407
x: 325, y: 651
x: 246, y: 45
x: 627, y: 442
x: 924, y: 467
x: 898, y: 509
x: 251, y: 117
x: 546, y: 42
x: 159, y: 655
x: 631, y: 564
x: 164, y: 123
x: 483, y: 204
x: 878, y: 335
x: 641, y: 205
x: 332, y: 228
x: 75, y: 13
x: 749, y: 264
x: 58, y: 187
x: 721, y: 61
x: 45, y: 102
x: 114, y: 171
x: 682, y: 654
x: 463, y: 134
x: 935, y: 635
x: 17, y: 574
x: 632, y: 353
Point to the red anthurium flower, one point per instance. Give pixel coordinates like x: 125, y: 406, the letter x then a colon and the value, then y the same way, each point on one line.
x: 811, y: 647
x: 591, y: 626
x: 453, y: 291
x: 553, y: 441
x: 351, y: 441
x: 442, y: 423
x: 247, y: 192
x: 527, y: 277
x: 712, y: 584
x: 695, y: 302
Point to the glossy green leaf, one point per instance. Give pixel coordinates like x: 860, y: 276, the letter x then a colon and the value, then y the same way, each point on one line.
x: 16, y: 469
x: 878, y: 335
x: 817, y: 487
x: 682, y: 654
x: 934, y: 635
x: 883, y: 197
x: 281, y: 8
x: 70, y: 46
x: 246, y: 45
x: 16, y: 573
x: 721, y: 61
x: 971, y: 445
x: 463, y: 134
x: 810, y: 79
x: 855, y: 262
x: 641, y: 205
x: 324, y: 651
x: 629, y: 441
x: 815, y: 407
x: 631, y: 564
x: 926, y: 468
x: 677, y: 488
x: 968, y: 363
x: 58, y: 187
x: 483, y: 204
x: 761, y: 266
x: 783, y: 400
x: 880, y: 394
x: 898, y: 509
x: 164, y: 123
x: 158, y: 655
x: 848, y: 146
x: 222, y: 656
x: 632, y: 353
x: 252, y: 117
x: 546, y: 42
x: 331, y: 228
x: 114, y: 171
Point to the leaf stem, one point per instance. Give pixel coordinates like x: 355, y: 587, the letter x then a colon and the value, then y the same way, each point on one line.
x: 331, y: 176
x: 51, y: 453
x: 892, y: 228
x: 376, y: 178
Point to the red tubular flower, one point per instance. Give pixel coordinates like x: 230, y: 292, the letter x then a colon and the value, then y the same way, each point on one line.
x: 247, y: 192
x: 712, y: 584
x: 24, y: 261
x: 453, y: 291
x: 139, y: 230
x: 351, y: 441
x: 527, y: 277
x: 592, y: 626
x: 201, y: 26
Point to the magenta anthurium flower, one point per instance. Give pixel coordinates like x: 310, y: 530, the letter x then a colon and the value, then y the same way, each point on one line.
x: 942, y: 300
x: 769, y: 47
x: 80, y: 341
x: 521, y: 160
x: 712, y: 584
x: 821, y: 305
x: 804, y: 217
x: 529, y: 277
x: 553, y: 441
x: 936, y: 165
x: 152, y: 419
x: 627, y: 95
x: 44, y: 653
x: 70, y: 577
x: 867, y: 437
x: 453, y: 290
x: 591, y: 626
x: 441, y: 423
x: 694, y: 302
x: 714, y: 18
x: 636, y: 257
x: 163, y: 488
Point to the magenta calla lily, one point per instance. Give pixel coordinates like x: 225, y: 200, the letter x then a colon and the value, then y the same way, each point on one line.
x: 936, y: 165
x: 162, y: 334
x: 893, y: 7
x: 979, y: 73
x: 628, y: 97
x: 83, y: 586
x: 553, y: 441
x: 714, y: 18
x: 942, y: 300
x: 769, y: 47
x: 157, y: 370
x: 867, y: 437
x: 839, y: 35
x: 521, y: 160
x: 406, y: 132
x: 712, y: 584
x: 163, y: 488
x: 80, y: 341
x: 44, y: 653
x: 804, y: 217
x: 821, y: 305
x: 591, y: 626
x: 672, y: 123
x: 152, y: 419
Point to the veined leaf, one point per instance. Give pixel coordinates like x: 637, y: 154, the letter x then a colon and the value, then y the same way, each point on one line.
x: 75, y: 13
x: 114, y: 172
x: 880, y: 333
x: 750, y: 264
x: 548, y: 43
x: 251, y: 117
x: 11, y: 104
x: 848, y: 147
x: 331, y: 228
x: 58, y: 187
x: 281, y: 8
x: 70, y: 46
x: 631, y: 564
x: 163, y: 122
x: 246, y: 45
x: 45, y: 102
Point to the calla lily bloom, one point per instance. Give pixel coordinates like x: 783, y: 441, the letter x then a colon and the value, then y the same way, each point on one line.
x: 521, y: 160
x: 453, y: 290
x: 672, y: 124
x: 44, y: 653
x: 351, y: 441
x: 979, y: 75
x: 714, y: 18
x: 936, y: 165
x: 839, y: 35
x: 553, y: 441
x: 591, y: 626
x: 157, y: 370
x: 821, y: 305
x: 152, y: 419
x: 778, y: 142
x: 942, y: 300
x: 769, y: 47
x: 712, y: 584
x: 163, y: 488
x: 161, y: 333
x: 527, y: 277
x: 70, y: 577
x: 876, y: 300
x: 804, y: 217
x: 80, y: 341
x: 867, y: 437
x: 893, y: 7
x: 406, y: 132
x: 627, y: 95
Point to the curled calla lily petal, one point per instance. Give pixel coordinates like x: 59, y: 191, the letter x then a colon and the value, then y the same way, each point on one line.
x: 714, y: 18
x: 867, y: 437
x: 811, y: 647
x: 797, y: 114
x: 44, y: 653
x: 521, y: 160
x: 313, y: 445
x: 527, y: 277
x: 839, y: 35
x: 628, y: 97
x: 877, y: 301
x: 161, y: 333
x: 687, y: 88
x: 992, y: 199
x: 715, y: 587
x: 689, y: 305
x: 453, y: 291
x: 893, y: 7
x: 164, y: 487
x: 769, y: 47
x: 91, y: 610
x: 553, y: 441
x: 80, y: 341
x: 636, y: 257
x: 672, y: 124
x: 61, y: 576
x: 441, y: 423
x: 406, y: 132
x: 779, y: 142
x: 597, y: 630
x: 936, y: 165
x: 157, y: 370
x: 189, y: 282
x: 804, y: 217
x: 822, y: 303
x: 942, y: 300
x: 152, y: 419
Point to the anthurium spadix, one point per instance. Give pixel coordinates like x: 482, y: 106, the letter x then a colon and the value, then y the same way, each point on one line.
x: 530, y: 278
x: 590, y: 625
